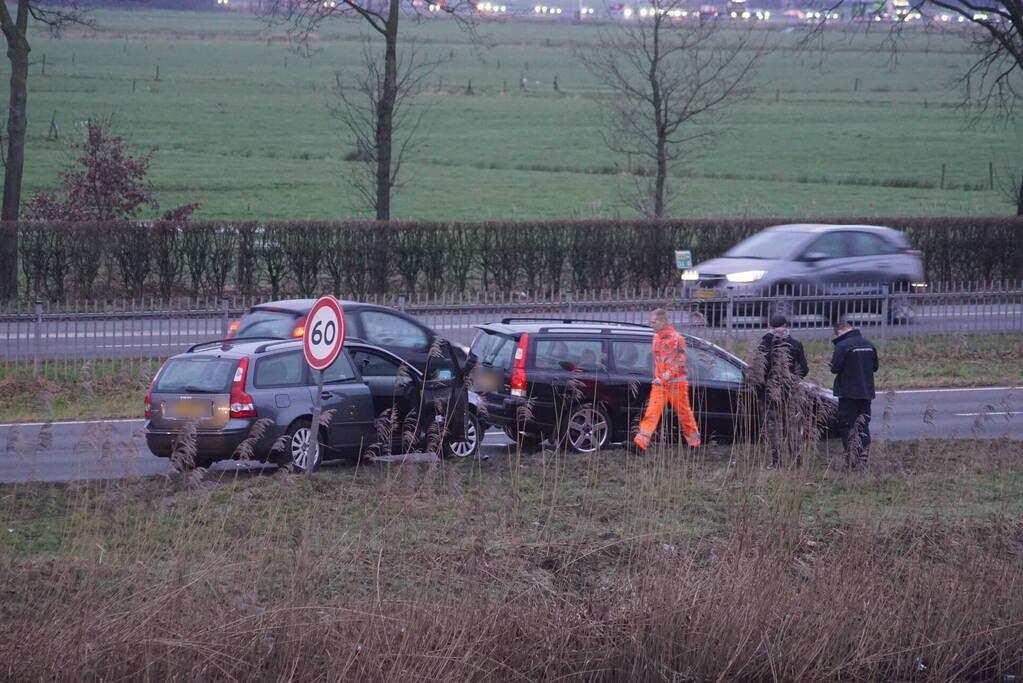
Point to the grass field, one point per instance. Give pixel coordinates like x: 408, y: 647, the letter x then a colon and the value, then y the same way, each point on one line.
x: 607, y: 567
x: 241, y: 124
x: 114, y: 389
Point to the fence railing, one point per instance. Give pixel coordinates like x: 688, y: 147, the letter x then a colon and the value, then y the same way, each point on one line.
x: 38, y: 338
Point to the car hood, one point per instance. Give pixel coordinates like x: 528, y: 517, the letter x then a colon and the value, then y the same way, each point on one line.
x: 725, y: 265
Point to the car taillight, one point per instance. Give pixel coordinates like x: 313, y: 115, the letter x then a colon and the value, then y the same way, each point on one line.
x: 518, y: 378
x: 298, y: 332
x: 232, y: 328
x: 241, y: 403
x: 148, y: 402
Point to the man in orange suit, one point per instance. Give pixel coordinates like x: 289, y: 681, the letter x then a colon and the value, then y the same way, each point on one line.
x: 671, y: 384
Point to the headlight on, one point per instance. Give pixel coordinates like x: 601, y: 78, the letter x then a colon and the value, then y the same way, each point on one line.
x: 690, y: 275
x: 746, y: 276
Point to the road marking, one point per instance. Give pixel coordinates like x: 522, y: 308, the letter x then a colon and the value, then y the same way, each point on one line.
x: 68, y: 422
x: 1006, y: 413
x: 942, y: 391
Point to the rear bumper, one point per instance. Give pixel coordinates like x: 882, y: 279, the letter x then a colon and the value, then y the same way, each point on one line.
x: 511, y: 411
x: 212, y: 446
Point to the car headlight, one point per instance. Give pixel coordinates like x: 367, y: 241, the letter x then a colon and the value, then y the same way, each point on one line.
x: 746, y: 276
x: 690, y: 275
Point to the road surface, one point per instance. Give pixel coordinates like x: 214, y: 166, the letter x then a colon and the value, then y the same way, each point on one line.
x: 116, y: 448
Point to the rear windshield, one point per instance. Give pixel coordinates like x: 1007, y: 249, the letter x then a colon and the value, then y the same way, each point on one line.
x: 266, y: 324
x: 198, y: 375
x: 494, y: 350
x: 767, y: 245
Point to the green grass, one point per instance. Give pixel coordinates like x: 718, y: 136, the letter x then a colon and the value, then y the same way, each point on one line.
x: 241, y: 125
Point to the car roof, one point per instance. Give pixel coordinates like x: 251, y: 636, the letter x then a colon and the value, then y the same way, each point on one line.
x: 303, y: 306
x: 826, y: 227
x: 240, y: 348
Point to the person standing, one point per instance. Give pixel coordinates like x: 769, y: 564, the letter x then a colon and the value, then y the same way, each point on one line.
x: 670, y: 383
x: 854, y: 362
x: 784, y: 364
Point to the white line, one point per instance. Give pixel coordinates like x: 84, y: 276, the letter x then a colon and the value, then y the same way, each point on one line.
x: 1006, y: 413
x: 57, y: 423
x: 942, y: 391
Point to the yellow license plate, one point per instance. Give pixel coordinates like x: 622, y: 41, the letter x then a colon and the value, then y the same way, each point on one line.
x: 707, y: 294
x: 190, y: 409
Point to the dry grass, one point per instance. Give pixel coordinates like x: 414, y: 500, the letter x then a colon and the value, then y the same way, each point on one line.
x: 608, y: 567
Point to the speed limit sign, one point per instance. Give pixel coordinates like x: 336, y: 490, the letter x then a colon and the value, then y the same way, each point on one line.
x: 324, y: 333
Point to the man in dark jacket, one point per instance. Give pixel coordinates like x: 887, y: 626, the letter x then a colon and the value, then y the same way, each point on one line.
x: 784, y: 363
x: 854, y: 362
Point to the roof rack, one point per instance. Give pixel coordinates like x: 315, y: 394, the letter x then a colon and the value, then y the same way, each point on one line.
x: 569, y: 321
x: 588, y: 328
x: 277, y: 341
x: 226, y: 342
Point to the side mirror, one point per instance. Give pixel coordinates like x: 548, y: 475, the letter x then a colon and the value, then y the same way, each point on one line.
x: 814, y: 256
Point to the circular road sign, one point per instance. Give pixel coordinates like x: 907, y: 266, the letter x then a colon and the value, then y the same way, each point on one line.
x: 324, y: 333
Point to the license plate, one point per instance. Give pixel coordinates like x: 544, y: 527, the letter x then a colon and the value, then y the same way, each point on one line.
x: 485, y: 382
x: 189, y: 409
x: 707, y: 294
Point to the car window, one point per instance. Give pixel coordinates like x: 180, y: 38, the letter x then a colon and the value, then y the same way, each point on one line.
x: 340, y: 371
x: 494, y: 350
x: 197, y: 374
x: 282, y: 370
x: 633, y: 357
x: 441, y: 363
x: 587, y: 354
x: 704, y: 365
x: 386, y: 329
x: 866, y: 244
x: 832, y: 245
x: 374, y: 365
x: 768, y: 245
x: 266, y: 324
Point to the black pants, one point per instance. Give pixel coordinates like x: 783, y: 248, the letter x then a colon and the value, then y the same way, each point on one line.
x: 854, y: 425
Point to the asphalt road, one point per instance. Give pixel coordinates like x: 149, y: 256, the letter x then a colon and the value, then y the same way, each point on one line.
x: 155, y: 338
x: 115, y: 449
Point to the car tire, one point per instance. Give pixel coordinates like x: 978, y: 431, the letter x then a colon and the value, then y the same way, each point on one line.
x: 900, y: 304
x: 298, y: 436
x: 587, y: 428
x: 524, y: 441
x: 470, y: 446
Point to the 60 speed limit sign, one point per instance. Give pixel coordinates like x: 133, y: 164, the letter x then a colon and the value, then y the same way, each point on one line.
x: 324, y: 333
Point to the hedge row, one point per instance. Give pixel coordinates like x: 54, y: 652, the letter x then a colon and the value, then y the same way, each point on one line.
x: 59, y: 261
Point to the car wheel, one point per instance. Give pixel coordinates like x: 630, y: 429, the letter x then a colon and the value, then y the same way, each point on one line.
x: 900, y: 305
x: 470, y: 446
x: 587, y: 429
x: 526, y: 442
x: 299, y: 434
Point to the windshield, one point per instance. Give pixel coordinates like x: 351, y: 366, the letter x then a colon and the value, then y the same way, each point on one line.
x: 198, y: 375
x: 767, y: 245
x: 266, y: 324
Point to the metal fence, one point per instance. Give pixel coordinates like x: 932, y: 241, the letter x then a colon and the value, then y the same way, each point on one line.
x: 52, y: 338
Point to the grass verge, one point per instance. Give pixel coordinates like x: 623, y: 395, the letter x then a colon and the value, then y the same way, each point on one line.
x: 598, y: 568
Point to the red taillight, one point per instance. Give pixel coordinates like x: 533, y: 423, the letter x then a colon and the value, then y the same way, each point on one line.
x: 241, y: 403
x: 232, y: 328
x: 518, y: 378
x: 148, y: 402
x: 299, y: 331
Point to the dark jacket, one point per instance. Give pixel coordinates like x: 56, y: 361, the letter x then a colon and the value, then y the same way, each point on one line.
x: 854, y: 363
x: 772, y: 346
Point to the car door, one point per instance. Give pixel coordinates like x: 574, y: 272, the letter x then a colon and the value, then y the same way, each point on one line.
x: 874, y: 258
x: 829, y: 266
x: 396, y: 334
x: 715, y: 383
x: 351, y: 423
x: 630, y: 373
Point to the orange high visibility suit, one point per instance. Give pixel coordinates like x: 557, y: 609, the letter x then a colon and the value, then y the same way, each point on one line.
x: 670, y: 384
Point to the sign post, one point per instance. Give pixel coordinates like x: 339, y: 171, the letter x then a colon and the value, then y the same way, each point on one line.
x: 322, y: 342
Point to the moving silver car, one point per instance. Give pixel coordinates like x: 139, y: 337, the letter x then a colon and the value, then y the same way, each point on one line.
x: 811, y: 269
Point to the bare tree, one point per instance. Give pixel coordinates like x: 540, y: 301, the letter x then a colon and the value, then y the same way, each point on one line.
x: 356, y: 101
x: 15, y: 29
x: 303, y: 19
x: 666, y: 74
